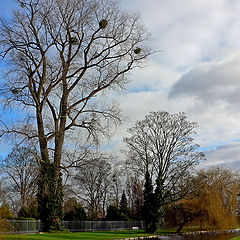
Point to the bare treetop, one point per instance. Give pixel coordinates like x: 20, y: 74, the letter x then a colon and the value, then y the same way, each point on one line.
x: 163, y: 144
x: 61, y: 53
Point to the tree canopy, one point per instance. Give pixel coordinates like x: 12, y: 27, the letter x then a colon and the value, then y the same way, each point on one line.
x: 163, y: 145
x: 61, y: 58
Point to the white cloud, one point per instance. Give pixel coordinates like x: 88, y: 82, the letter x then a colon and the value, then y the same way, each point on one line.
x: 189, y: 30
x: 227, y: 155
x: 213, y: 82
x: 214, y: 87
x: 154, y: 77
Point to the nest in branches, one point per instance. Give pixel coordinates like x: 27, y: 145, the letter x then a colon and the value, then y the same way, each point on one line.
x: 73, y: 40
x: 137, y: 50
x: 15, y: 91
x: 103, y: 23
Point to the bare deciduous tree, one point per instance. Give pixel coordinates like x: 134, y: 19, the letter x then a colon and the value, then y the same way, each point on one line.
x: 92, y: 182
x: 19, y: 171
x: 117, y: 186
x: 134, y: 190
x: 162, y: 144
x: 62, y: 56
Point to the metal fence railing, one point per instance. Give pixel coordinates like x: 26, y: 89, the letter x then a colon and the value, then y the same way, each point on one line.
x: 35, y: 226
x: 25, y: 226
x: 80, y: 226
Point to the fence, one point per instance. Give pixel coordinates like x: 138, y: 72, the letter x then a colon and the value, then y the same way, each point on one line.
x: 81, y: 226
x: 25, y: 226
x: 35, y: 226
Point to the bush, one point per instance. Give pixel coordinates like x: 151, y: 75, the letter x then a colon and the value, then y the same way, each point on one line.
x: 5, y: 212
x: 73, y: 211
x: 5, y: 226
x: 29, y: 212
x: 114, y: 214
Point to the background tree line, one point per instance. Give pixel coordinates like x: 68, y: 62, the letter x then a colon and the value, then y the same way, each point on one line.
x: 98, y: 186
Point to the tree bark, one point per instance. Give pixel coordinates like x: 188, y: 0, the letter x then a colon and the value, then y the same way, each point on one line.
x: 50, y: 193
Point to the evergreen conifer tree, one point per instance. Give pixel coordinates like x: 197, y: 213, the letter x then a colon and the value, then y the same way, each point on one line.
x: 158, y: 218
x: 148, y: 207
x: 123, y: 204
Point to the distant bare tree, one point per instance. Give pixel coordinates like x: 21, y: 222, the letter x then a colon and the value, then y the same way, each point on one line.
x: 2, y: 194
x: 92, y: 181
x: 162, y: 144
x: 62, y: 57
x: 19, y: 171
x: 117, y: 185
x: 134, y: 190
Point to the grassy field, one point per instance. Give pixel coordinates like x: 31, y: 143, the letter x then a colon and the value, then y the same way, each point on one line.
x: 74, y: 236
x: 109, y: 235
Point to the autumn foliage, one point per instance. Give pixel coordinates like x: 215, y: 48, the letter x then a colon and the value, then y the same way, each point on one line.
x: 5, y: 226
x: 212, y: 203
x: 218, y: 194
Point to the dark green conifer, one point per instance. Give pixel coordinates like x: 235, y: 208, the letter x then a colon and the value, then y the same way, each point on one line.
x: 124, y: 204
x: 158, y: 218
x: 148, y: 207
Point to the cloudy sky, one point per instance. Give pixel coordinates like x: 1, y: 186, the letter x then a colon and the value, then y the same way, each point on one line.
x: 197, y: 71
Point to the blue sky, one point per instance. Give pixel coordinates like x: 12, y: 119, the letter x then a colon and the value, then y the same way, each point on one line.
x: 197, y: 71
x: 6, y: 6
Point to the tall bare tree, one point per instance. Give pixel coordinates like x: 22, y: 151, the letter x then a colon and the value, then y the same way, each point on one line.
x: 162, y: 145
x: 117, y: 185
x: 62, y: 57
x: 19, y: 171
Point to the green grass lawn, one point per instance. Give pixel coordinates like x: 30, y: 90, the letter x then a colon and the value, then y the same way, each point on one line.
x: 80, y: 235
x: 108, y: 235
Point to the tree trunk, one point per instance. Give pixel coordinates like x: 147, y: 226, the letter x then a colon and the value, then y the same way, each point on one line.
x: 180, y: 227
x: 43, y: 190
x: 50, y: 198
x: 50, y: 193
x: 50, y: 189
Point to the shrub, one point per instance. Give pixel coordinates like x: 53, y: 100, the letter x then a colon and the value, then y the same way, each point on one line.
x: 30, y: 211
x: 5, y: 212
x: 73, y: 211
x: 5, y: 226
x: 114, y: 214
